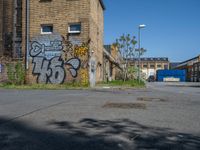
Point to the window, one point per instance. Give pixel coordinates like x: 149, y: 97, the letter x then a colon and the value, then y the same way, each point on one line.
x: 166, y: 67
x: 46, y: 29
x: 152, y: 66
x: 159, y: 66
x: 144, y: 66
x: 74, y: 28
x: 45, y: 0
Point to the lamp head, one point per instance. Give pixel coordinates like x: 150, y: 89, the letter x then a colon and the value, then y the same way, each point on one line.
x: 142, y: 26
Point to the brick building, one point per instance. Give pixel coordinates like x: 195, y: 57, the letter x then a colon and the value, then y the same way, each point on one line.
x: 1, y: 27
x: 112, y: 63
x: 10, y: 28
x: 150, y: 65
x: 76, y: 22
x: 192, y: 67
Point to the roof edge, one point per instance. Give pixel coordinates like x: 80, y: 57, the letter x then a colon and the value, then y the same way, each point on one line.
x: 102, y: 4
x: 189, y: 60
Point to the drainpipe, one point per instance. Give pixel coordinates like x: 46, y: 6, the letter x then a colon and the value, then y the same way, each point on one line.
x: 27, y: 31
x: 14, y: 28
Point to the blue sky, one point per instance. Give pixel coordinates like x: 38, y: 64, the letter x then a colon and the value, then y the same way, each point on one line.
x: 173, y: 26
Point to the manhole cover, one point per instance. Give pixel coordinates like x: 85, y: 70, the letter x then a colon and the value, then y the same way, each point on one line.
x: 125, y: 105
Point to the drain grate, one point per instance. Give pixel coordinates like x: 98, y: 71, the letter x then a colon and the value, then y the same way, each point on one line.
x: 125, y: 105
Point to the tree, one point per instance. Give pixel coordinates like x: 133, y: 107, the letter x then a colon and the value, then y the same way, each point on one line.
x: 126, y: 46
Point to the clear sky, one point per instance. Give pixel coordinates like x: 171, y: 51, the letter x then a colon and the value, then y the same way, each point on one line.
x: 173, y: 26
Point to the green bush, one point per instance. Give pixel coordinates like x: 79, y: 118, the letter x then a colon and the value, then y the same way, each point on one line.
x: 11, y: 73
x: 16, y: 73
x: 20, y: 73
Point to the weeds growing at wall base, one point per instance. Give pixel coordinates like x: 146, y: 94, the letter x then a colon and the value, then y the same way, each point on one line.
x: 16, y: 73
x: 45, y: 86
x: 128, y: 83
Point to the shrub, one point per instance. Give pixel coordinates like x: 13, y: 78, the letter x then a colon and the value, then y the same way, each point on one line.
x: 16, y: 73
x: 20, y: 73
x: 11, y: 73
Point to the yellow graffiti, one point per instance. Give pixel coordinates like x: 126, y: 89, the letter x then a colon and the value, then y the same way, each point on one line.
x: 80, y: 51
x: 84, y: 76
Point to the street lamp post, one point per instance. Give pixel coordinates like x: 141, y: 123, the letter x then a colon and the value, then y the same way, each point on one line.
x: 139, y: 48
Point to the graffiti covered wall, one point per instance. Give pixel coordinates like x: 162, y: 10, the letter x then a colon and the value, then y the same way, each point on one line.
x: 56, y: 60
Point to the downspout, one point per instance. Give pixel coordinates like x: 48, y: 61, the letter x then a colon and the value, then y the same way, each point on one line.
x: 14, y: 28
x: 27, y: 31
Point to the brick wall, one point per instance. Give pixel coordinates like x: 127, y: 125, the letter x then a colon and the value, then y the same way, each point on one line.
x: 4, y: 62
x: 96, y: 35
x: 8, y: 25
x: 10, y: 34
x: 60, y: 14
x: 1, y: 27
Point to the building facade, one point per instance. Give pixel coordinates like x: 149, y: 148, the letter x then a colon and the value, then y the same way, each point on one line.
x: 1, y: 27
x: 149, y: 66
x: 111, y: 63
x: 192, y: 67
x: 65, y: 32
x: 11, y: 28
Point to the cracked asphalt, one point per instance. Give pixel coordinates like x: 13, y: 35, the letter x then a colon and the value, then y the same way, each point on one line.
x: 76, y: 119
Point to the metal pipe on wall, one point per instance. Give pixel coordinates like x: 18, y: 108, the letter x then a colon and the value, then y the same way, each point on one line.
x: 14, y: 28
x: 27, y: 31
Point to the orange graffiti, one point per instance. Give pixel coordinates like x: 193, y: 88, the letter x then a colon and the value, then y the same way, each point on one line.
x: 84, y: 76
x: 81, y: 50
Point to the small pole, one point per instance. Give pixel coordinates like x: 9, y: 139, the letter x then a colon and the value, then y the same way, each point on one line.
x: 139, y: 49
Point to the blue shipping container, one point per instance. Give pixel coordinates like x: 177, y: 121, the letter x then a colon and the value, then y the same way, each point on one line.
x: 181, y: 74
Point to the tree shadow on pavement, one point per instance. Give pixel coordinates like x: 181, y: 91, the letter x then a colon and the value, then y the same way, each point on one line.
x: 92, y: 134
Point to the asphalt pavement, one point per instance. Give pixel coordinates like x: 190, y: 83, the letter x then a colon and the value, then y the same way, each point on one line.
x: 79, y: 120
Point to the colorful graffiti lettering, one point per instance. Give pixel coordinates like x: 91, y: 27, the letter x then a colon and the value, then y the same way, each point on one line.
x: 48, y: 71
x: 51, y: 71
x: 84, y: 76
x: 54, y: 58
x: 80, y: 51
